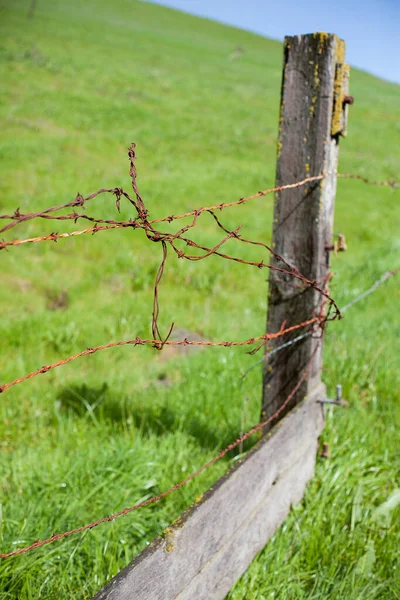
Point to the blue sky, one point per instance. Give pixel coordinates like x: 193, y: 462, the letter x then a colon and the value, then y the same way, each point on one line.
x: 371, y: 28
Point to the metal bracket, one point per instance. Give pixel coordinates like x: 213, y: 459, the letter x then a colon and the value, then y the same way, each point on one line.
x: 338, y: 402
x: 339, y: 245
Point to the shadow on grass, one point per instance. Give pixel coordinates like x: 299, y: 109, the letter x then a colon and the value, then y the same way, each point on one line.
x: 102, y: 405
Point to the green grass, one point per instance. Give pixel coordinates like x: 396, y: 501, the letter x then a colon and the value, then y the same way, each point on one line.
x: 80, y: 82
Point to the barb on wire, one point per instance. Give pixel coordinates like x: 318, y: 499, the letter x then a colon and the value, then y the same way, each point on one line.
x: 59, y: 536
x: 140, y: 207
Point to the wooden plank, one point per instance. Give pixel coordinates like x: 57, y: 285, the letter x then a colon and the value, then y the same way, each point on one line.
x: 311, y: 109
x: 207, y: 549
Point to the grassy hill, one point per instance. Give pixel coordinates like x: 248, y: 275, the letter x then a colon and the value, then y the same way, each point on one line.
x: 81, y: 81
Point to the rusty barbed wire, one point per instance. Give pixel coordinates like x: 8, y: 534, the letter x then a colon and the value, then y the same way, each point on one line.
x: 59, y: 536
x: 307, y: 334
x: 138, y: 341
x: 142, y: 221
x: 171, y: 238
x: 54, y: 236
x: 18, y: 217
x: 114, y: 224
x: 329, y: 310
x: 389, y: 182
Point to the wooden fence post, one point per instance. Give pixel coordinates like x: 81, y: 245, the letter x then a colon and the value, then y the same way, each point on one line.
x: 312, y: 117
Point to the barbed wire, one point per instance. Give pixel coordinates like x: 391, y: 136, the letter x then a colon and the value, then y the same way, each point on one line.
x: 270, y: 353
x: 370, y: 290
x: 18, y: 217
x: 108, y: 224
x: 54, y: 236
x: 389, y: 182
x: 327, y: 312
x: 138, y: 341
x: 307, y: 334
x: 59, y: 536
x: 170, y: 239
x: 142, y: 222
x: 238, y: 442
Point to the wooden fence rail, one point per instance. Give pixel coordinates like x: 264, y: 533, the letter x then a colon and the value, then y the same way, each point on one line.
x: 207, y: 549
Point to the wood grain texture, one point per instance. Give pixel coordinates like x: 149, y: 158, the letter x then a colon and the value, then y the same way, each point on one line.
x: 303, y: 217
x: 209, y: 547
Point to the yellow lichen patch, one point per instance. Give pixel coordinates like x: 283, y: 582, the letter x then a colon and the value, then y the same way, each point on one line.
x: 322, y: 37
x: 169, y: 535
x: 179, y: 523
x: 312, y: 106
x: 167, y: 531
x: 339, y: 89
x: 317, y: 80
x: 340, y: 49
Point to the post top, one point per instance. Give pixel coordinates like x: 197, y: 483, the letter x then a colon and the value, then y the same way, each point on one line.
x: 320, y: 36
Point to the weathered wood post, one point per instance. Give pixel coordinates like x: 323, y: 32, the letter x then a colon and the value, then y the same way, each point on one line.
x: 312, y: 117
x: 210, y: 545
